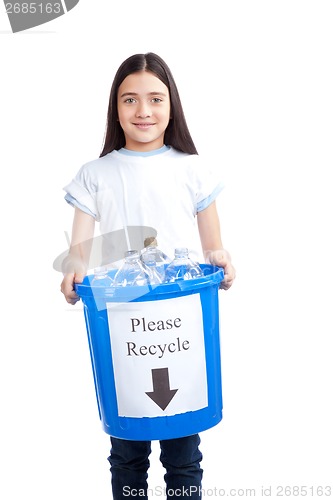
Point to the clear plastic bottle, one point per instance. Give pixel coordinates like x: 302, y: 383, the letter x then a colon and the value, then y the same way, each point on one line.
x: 132, y: 272
x: 156, y: 277
x: 182, y: 267
x: 101, y: 277
x: 152, y: 251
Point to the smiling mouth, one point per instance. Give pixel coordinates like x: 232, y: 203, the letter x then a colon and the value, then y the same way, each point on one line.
x: 143, y: 126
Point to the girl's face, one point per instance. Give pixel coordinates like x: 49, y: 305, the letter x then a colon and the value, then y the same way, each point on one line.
x: 143, y: 111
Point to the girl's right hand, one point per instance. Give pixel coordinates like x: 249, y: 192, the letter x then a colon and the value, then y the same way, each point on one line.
x: 67, y: 286
x: 74, y: 266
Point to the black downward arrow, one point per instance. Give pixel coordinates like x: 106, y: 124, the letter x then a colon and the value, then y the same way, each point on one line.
x: 161, y: 394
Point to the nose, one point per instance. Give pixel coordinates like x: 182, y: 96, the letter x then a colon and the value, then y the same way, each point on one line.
x: 143, y: 110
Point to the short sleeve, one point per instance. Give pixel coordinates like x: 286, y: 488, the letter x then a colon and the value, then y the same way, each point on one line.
x: 82, y: 192
x: 208, y: 185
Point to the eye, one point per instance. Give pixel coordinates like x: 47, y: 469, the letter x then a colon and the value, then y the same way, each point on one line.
x: 156, y: 99
x: 129, y: 100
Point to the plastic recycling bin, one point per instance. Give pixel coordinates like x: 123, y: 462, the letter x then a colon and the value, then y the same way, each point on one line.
x: 155, y: 354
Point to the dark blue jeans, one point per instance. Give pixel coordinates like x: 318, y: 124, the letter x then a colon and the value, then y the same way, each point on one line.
x: 180, y: 457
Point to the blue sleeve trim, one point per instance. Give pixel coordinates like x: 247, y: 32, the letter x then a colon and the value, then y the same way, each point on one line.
x: 73, y: 201
x: 212, y: 197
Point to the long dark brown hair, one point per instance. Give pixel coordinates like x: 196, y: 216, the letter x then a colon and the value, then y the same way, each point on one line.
x: 177, y: 134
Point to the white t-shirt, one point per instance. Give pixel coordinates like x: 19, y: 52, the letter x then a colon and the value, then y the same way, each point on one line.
x: 155, y: 194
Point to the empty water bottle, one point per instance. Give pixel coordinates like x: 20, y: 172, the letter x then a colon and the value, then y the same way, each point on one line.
x: 156, y: 277
x: 132, y: 272
x: 101, y: 277
x: 182, y: 267
x: 151, y: 251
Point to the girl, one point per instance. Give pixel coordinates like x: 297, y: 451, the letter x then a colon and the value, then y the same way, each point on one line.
x: 148, y: 174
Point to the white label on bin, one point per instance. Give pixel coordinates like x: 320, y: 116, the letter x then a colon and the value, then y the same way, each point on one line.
x: 158, y: 355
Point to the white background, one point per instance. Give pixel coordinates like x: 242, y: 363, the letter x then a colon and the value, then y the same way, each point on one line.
x: 255, y: 78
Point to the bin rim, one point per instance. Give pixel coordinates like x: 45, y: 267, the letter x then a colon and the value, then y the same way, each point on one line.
x: 213, y: 275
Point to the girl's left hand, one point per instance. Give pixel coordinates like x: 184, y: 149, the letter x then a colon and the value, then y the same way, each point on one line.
x: 221, y: 258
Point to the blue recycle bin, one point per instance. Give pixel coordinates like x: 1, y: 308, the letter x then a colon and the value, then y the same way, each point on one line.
x: 155, y: 354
